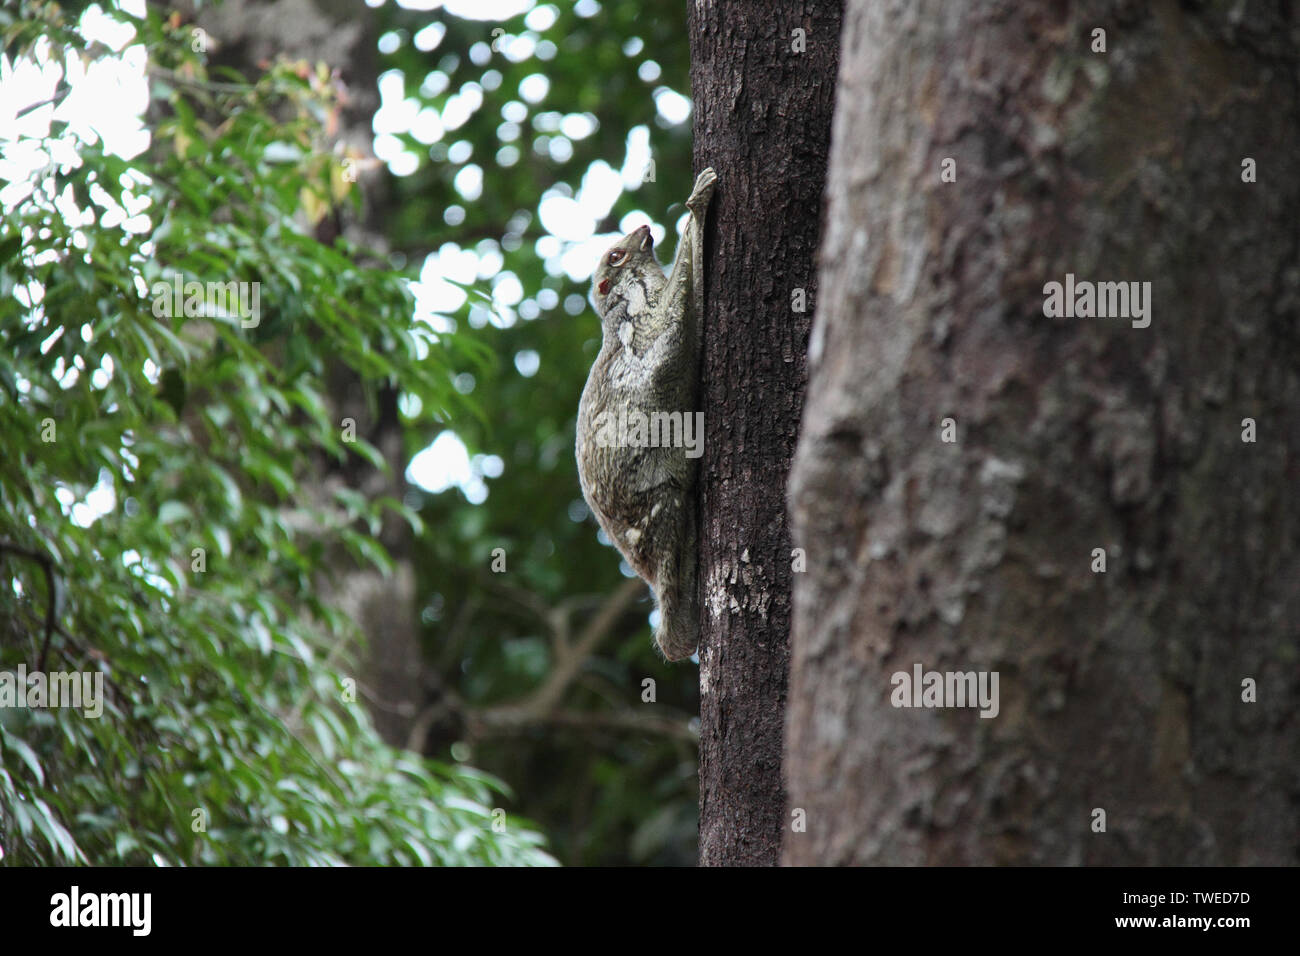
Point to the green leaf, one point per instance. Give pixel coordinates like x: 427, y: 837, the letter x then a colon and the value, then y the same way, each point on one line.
x: 25, y: 754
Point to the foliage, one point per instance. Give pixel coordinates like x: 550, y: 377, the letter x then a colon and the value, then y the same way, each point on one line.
x: 171, y: 523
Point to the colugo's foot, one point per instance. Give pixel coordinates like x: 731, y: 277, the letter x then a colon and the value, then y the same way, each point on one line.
x: 704, y: 184
x: 679, y: 641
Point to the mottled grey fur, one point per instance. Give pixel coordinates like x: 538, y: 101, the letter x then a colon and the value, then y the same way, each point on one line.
x: 649, y: 361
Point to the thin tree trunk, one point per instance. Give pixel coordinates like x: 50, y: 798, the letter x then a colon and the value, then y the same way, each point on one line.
x: 763, y: 101
x: 1120, y: 690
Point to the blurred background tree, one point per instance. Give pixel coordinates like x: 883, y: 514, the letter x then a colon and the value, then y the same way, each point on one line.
x: 509, y: 151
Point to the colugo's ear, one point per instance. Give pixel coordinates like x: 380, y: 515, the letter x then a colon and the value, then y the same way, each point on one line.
x: 647, y: 240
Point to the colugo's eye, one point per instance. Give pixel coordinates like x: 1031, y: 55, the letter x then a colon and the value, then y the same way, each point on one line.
x: 616, y: 257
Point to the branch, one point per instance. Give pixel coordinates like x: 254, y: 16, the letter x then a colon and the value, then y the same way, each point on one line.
x: 456, y: 635
x: 569, y: 659
x: 52, y: 627
x: 525, y: 599
x: 510, y: 721
x: 207, y: 86
x: 51, y: 587
x: 123, y: 700
x: 538, y: 708
x: 449, y: 703
x: 35, y: 106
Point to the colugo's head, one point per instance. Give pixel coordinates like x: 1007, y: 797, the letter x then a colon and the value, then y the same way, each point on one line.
x: 631, y: 256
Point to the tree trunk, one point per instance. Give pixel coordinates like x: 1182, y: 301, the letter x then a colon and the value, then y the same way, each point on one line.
x: 1077, y: 440
x: 762, y: 76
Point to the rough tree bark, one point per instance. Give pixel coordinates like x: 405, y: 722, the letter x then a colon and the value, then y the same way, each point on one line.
x: 1122, y: 690
x: 763, y: 81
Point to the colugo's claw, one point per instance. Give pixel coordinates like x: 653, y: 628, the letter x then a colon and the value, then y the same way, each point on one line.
x: 704, y: 184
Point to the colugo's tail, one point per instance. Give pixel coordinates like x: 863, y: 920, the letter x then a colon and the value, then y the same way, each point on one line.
x: 678, y: 633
